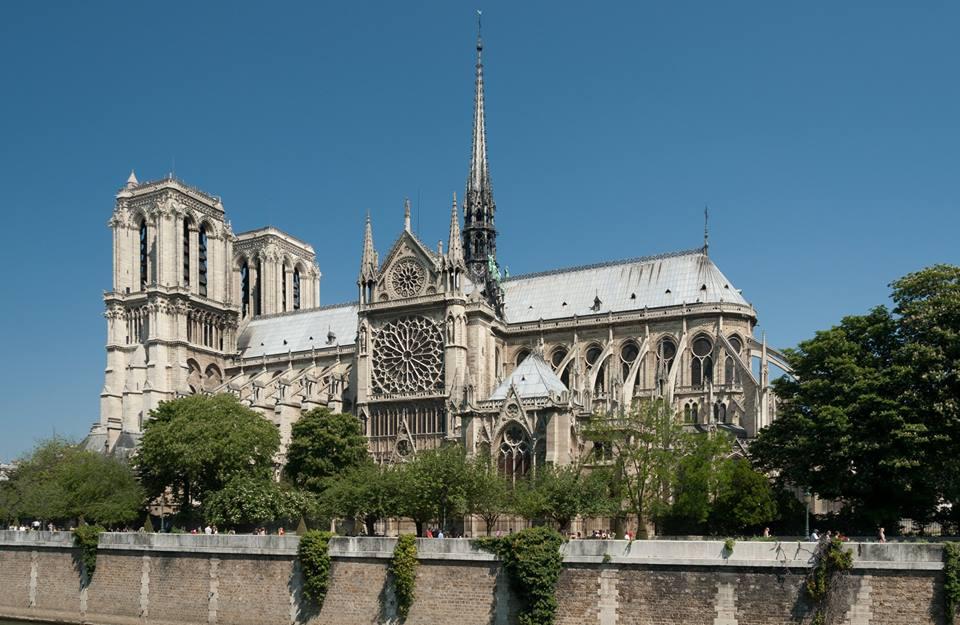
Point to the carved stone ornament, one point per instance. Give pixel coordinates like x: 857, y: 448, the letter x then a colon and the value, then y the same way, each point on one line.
x: 407, y: 278
x: 408, y: 357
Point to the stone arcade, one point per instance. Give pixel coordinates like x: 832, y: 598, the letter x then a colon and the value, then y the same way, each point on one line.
x: 438, y: 346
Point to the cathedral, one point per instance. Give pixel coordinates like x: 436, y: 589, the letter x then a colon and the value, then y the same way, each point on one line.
x: 439, y: 345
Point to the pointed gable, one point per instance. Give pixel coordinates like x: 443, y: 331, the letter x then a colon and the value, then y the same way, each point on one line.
x: 532, y: 378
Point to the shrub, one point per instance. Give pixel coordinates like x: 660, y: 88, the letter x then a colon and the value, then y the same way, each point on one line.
x: 951, y: 581
x: 728, y: 546
x: 314, y: 558
x: 403, y: 568
x: 830, y: 561
x: 86, y: 538
x: 532, y: 560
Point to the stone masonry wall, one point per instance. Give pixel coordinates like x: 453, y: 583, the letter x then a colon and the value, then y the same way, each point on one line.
x: 150, y: 579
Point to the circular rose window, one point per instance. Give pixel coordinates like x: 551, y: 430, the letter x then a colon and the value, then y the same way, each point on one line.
x: 408, y: 357
x: 407, y: 278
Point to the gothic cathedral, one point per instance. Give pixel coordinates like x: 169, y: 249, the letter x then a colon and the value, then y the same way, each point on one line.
x: 439, y: 345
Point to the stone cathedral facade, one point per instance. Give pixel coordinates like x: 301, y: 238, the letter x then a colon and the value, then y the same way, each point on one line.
x: 437, y: 347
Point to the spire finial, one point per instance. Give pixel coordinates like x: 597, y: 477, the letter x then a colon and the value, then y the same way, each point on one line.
x: 132, y: 180
x: 368, y: 262
x: 406, y: 214
x: 706, y: 231
x: 479, y: 38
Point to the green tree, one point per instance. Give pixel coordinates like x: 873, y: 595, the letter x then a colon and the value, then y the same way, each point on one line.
x: 195, y: 445
x: 488, y: 494
x: 367, y: 492
x: 843, y: 430
x: 60, y: 480
x: 248, y: 500
x: 432, y: 486
x: 324, y: 445
x: 562, y: 493
x: 699, y: 473
x: 646, y: 446
x: 745, y: 499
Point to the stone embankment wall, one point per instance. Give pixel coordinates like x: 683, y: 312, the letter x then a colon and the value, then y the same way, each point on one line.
x: 166, y: 579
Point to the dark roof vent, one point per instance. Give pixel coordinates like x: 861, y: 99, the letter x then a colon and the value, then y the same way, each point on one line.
x: 633, y: 296
x: 703, y: 287
x: 667, y: 291
x: 596, y: 304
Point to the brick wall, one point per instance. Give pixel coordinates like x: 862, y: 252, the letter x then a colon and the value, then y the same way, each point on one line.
x: 195, y: 580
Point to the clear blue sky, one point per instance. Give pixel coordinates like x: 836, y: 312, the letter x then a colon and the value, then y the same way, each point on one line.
x: 823, y: 135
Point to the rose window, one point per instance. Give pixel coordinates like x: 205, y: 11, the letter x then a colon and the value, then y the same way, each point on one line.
x: 408, y: 357
x: 407, y: 278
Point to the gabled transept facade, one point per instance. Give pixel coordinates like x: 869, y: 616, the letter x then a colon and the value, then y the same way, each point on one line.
x: 438, y: 347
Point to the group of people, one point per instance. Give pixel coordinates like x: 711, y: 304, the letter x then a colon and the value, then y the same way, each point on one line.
x: 439, y: 533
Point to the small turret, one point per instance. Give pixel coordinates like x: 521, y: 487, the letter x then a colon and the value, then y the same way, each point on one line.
x: 455, y: 244
x: 132, y: 180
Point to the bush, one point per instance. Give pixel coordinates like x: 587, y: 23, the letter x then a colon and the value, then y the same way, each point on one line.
x: 532, y: 560
x: 315, y: 564
x: 728, y: 546
x: 951, y: 581
x: 86, y: 538
x: 830, y: 561
x: 403, y: 568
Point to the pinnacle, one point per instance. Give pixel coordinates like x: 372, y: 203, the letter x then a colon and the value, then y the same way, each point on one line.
x: 132, y: 180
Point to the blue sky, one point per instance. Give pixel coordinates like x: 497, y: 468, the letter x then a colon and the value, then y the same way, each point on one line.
x: 823, y: 135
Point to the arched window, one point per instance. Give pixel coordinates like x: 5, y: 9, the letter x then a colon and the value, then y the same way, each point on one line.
x: 143, y: 254
x: 186, y: 252
x: 556, y: 359
x: 593, y: 360
x: 628, y: 354
x: 202, y: 260
x: 513, y: 457
x: 687, y: 414
x: 296, y: 288
x: 521, y: 356
x: 496, y: 364
x: 257, y: 291
x: 701, y: 364
x: 283, y: 286
x: 244, y: 289
x: 731, y: 373
x: 666, y: 352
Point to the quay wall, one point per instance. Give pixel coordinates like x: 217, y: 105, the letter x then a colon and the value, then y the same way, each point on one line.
x: 182, y: 579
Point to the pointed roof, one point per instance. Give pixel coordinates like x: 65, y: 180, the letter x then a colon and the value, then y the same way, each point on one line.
x: 455, y: 245
x: 132, y: 180
x: 406, y: 214
x: 532, y: 378
x: 368, y: 263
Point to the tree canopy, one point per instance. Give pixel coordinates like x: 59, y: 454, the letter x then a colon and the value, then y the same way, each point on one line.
x: 873, y: 418
x: 324, y: 445
x: 60, y: 481
x: 196, y: 445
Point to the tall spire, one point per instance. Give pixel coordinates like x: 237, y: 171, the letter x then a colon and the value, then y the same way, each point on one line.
x: 368, y: 263
x: 479, y: 231
x: 454, y: 245
x: 406, y: 214
x: 706, y: 232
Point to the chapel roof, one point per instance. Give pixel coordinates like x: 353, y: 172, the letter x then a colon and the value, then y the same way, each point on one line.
x: 685, y: 277
x: 532, y: 378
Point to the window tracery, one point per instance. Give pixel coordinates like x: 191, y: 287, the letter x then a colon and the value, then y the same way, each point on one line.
x: 408, y: 357
x: 701, y: 364
x: 407, y: 278
x: 514, y: 452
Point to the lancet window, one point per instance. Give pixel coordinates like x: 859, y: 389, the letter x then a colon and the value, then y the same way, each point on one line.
x: 143, y: 254
x: 244, y: 288
x: 202, y: 259
x: 701, y: 364
x: 514, y: 453
x: 296, y: 288
x: 186, y: 252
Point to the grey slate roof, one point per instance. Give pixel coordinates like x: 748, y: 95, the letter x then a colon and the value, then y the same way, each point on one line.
x: 532, y: 378
x: 655, y: 281
x: 668, y: 280
x: 266, y: 335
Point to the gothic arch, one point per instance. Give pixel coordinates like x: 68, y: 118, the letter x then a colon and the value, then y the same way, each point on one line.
x: 701, y: 359
x: 514, y: 450
x: 213, y: 377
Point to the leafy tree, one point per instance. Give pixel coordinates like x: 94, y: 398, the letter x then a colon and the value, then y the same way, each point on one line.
x: 646, y: 445
x: 367, y: 492
x: 562, y: 493
x: 60, y: 480
x: 843, y: 431
x: 195, y: 445
x: 699, y: 474
x: 248, y: 500
x: 745, y: 499
x: 324, y: 445
x: 488, y: 495
x: 432, y: 486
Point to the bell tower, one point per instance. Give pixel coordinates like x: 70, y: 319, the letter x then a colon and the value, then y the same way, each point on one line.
x: 171, y: 314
